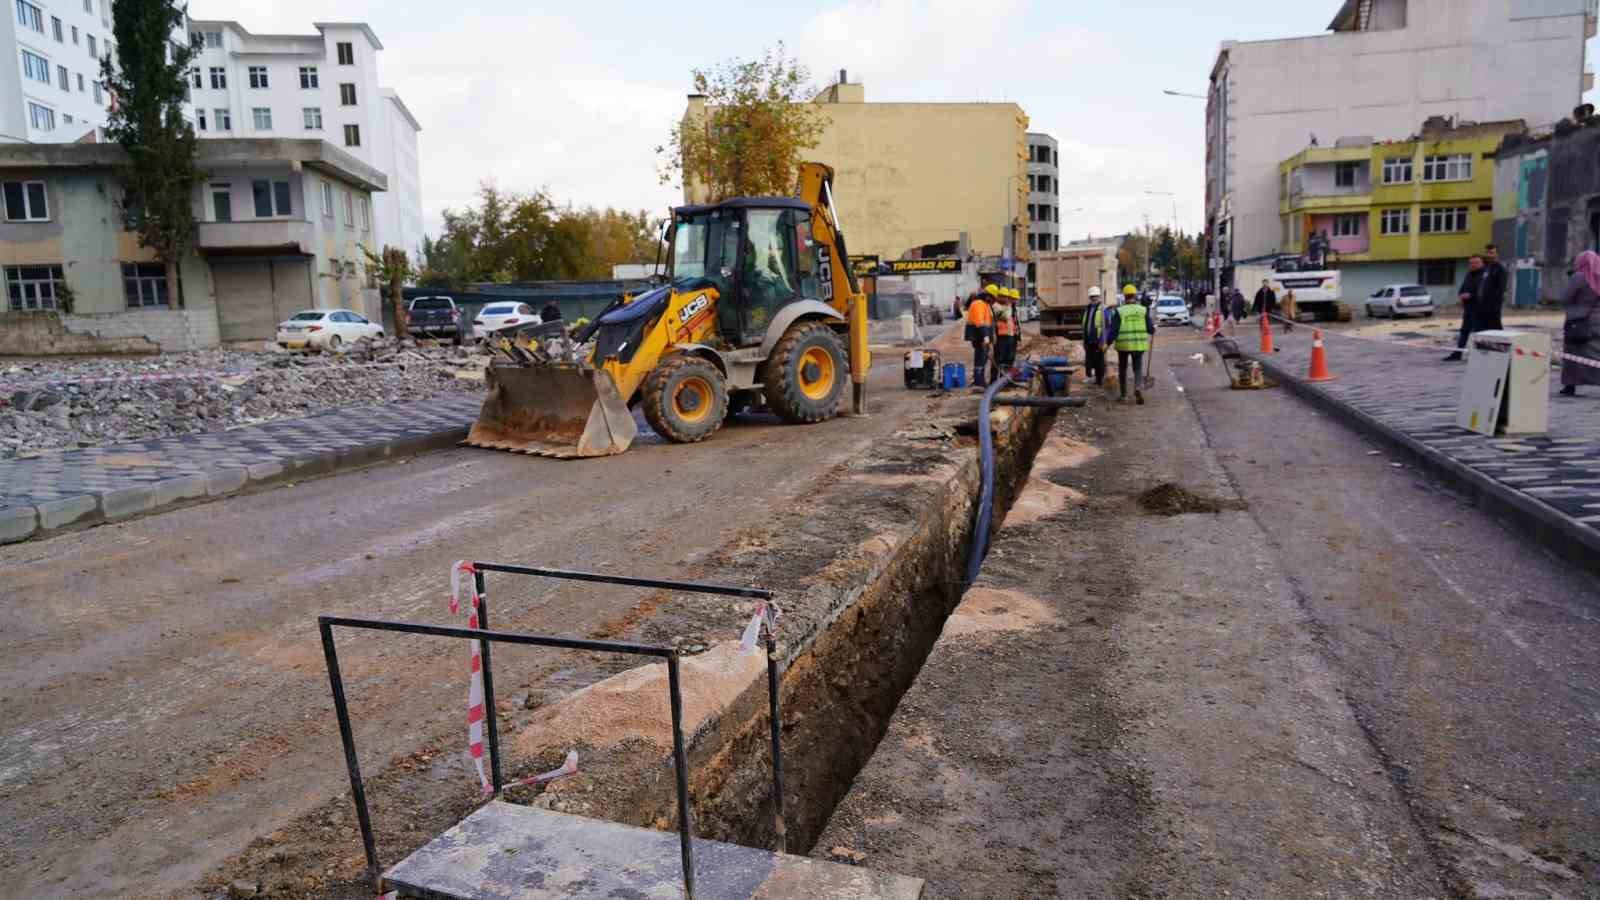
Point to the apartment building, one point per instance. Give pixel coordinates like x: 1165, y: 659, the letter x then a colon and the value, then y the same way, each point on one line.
x: 51, y: 91
x: 1383, y: 66
x: 322, y: 86
x: 1395, y: 211
x: 282, y: 227
x: 1044, y: 192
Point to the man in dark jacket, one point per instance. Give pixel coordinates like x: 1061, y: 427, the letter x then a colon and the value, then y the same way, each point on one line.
x: 1236, y: 307
x: 1266, y: 302
x: 1470, y: 295
x: 1493, y: 296
x: 551, y: 312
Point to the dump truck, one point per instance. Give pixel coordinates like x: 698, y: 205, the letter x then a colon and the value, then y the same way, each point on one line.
x: 1062, y: 280
x: 757, y: 308
x: 1318, y: 290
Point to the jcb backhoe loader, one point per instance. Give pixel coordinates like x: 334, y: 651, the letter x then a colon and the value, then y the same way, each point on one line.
x: 758, y: 300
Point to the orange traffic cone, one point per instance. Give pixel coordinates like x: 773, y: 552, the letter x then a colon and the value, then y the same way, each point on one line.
x: 1319, y: 360
x: 1266, y: 335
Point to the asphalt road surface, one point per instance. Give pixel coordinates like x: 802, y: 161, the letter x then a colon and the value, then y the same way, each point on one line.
x: 166, y: 698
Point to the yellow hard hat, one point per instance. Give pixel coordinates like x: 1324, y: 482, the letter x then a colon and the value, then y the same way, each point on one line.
x: 991, y: 290
x: 1013, y: 293
x: 1129, y: 290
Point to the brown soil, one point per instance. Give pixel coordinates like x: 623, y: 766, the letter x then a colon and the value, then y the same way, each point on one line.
x: 1174, y: 500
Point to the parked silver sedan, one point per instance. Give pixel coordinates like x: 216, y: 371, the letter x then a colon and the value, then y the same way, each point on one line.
x: 1396, y: 300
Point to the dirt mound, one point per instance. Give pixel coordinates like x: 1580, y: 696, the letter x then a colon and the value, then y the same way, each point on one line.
x: 1174, y: 500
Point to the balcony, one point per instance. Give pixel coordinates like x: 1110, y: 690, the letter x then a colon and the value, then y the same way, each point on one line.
x: 258, y: 236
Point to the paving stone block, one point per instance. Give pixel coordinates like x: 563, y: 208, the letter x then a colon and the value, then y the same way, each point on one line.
x: 61, y: 513
x: 225, y: 481
x: 183, y: 487
x: 129, y: 501
x: 264, y: 471
x: 18, y: 523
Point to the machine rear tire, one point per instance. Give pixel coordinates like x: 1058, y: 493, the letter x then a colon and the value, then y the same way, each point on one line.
x: 805, y: 377
x: 685, y: 399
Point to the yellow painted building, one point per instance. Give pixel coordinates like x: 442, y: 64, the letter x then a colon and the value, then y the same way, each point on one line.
x: 909, y: 174
x: 1395, y: 212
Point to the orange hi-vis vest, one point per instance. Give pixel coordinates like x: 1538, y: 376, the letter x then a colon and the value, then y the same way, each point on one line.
x: 979, y: 314
x: 1005, y: 324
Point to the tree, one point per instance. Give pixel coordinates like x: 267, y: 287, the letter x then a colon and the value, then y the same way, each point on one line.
x: 148, y: 85
x: 391, y: 270
x: 758, y: 118
x: 1164, y: 255
x: 1131, y: 258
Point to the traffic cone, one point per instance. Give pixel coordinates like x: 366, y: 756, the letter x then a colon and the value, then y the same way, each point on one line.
x: 1266, y: 335
x: 1319, y: 360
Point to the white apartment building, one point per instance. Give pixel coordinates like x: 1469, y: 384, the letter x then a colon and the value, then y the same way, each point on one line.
x: 1044, y: 193
x: 322, y: 85
x: 50, y: 92
x: 1384, y: 66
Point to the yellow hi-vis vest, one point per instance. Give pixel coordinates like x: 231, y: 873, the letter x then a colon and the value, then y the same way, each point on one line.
x: 1133, y: 332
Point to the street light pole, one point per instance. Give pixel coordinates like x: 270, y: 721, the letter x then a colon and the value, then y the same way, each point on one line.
x: 1213, y: 259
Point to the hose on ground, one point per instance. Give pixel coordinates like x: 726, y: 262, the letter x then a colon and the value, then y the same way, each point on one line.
x: 980, y: 530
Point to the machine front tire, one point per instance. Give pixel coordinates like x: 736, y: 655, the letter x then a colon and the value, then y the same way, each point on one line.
x: 805, y: 377
x: 685, y: 399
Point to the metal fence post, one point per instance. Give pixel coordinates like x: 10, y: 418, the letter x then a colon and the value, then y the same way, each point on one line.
x: 491, y: 714
x: 357, y: 792
x: 780, y: 822
x: 680, y: 761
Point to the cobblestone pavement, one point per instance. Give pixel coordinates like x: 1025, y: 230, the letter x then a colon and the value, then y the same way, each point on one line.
x: 58, y: 489
x: 1406, y: 386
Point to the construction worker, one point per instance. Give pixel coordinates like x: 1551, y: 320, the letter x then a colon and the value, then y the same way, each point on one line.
x: 1131, y: 331
x: 980, y: 332
x: 1094, y: 329
x: 1005, y: 331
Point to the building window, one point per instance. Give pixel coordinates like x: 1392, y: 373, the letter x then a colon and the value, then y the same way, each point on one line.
x: 347, y: 53
x: 1344, y: 174
x: 195, y: 79
x: 92, y: 48
x: 1396, y: 221
x: 1438, y: 273
x: 213, y: 39
x: 97, y: 98
x: 55, y: 29
x: 200, y: 119
x: 80, y: 83
x: 349, y: 209
x: 366, y: 215
x: 25, y: 201
x: 308, y: 77
x: 219, y: 78
x: 67, y: 117
x: 1055, y: 214
x: 88, y: 6
x: 1397, y: 170
x: 352, y: 135
x: 223, y: 120
x: 33, y: 287
x: 313, y: 118
x: 30, y: 16
x: 272, y: 198
x: 327, y: 199
x: 62, y: 79
x: 144, y: 284
x: 1442, y: 220
x: 222, y: 202
x: 261, y: 118
x: 1347, y: 225
x: 258, y: 76
x: 1451, y: 167
x: 35, y: 67
x: 347, y: 94
x: 43, y: 118
x: 1033, y: 242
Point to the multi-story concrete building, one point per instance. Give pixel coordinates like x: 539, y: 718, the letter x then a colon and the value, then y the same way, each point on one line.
x: 1044, y: 192
x: 1547, y: 207
x: 1395, y: 212
x: 915, y: 174
x: 1385, y: 66
x: 50, y: 92
x: 283, y: 226
x: 322, y: 86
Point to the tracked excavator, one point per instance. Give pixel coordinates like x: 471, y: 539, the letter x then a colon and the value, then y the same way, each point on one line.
x: 758, y: 308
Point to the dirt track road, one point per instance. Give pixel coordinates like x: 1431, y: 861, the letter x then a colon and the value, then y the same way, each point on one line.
x: 166, y: 698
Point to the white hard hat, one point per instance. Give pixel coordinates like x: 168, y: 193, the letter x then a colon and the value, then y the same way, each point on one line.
x: 1094, y: 292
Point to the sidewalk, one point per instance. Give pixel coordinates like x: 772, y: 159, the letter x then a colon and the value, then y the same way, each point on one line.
x: 1404, y: 394
x: 41, y: 494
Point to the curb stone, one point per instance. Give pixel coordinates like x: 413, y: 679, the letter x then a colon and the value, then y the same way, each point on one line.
x: 1538, y: 521
x: 61, y: 513
x: 18, y: 523
x: 125, y: 502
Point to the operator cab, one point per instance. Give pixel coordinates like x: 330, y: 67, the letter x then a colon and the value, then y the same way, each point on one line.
x: 758, y: 252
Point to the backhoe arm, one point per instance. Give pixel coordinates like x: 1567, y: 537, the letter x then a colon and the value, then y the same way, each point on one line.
x: 816, y: 189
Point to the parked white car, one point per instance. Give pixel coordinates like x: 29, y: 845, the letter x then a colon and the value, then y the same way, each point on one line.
x: 1396, y: 300
x: 496, y: 316
x: 1171, y: 310
x: 326, y: 329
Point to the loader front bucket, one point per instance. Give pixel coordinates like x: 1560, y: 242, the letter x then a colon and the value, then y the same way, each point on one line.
x: 564, y: 412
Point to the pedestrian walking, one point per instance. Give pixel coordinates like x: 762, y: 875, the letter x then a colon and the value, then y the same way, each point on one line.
x: 1005, y: 332
x: 1094, y: 329
x: 1238, y: 306
x: 1266, y: 301
x: 1133, y: 331
x: 1580, y: 333
x: 1471, y: 287
x: 980, y: 333
x: 1288, y: 311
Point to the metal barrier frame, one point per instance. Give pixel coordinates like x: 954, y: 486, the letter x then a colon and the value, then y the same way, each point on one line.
x: 486, y: 637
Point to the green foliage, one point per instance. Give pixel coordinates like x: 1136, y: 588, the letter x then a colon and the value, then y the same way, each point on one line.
x: 509, y: 237
x: 148, y: 86
x: 390, y: 270
x: 759, y: 118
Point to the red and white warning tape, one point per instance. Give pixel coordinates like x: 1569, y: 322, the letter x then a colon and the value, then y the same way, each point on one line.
x: 464, y: 570
x: 767, y: 613
x: 1555, y: 355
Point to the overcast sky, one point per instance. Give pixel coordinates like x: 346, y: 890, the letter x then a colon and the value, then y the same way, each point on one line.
x: 575, y: 97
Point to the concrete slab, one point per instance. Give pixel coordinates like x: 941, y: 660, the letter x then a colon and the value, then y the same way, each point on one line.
x: 18, y: 522
x: 128, y: 501
x: 61, y: 513
x: 225, y: 481
x: 264, y: 471
x: 184, y: 487
x: 522, y: 853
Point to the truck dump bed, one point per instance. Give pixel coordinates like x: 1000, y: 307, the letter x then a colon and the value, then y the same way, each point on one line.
x: 1063, y: 279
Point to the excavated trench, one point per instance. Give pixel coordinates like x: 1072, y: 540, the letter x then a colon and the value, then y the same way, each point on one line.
x: 840, y: 689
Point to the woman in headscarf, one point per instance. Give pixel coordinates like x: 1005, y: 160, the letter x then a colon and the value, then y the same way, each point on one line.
x: 1580, y: 334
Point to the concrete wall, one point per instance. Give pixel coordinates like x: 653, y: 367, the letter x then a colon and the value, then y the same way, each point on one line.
x: 1478, y: 60
x: 1547, y: 210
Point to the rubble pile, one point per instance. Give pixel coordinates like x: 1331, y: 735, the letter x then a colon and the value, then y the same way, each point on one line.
x: 48, y: 404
